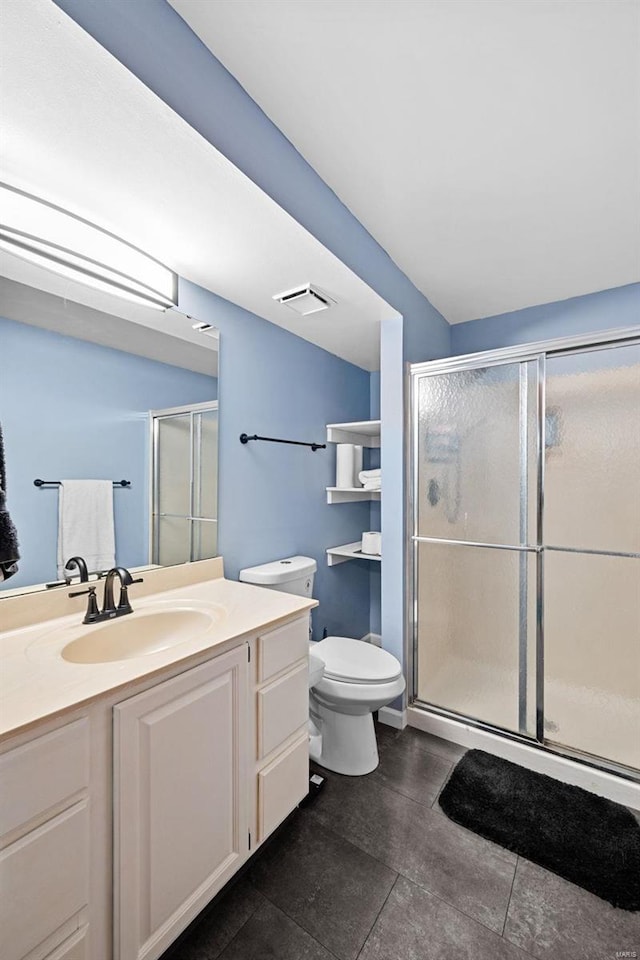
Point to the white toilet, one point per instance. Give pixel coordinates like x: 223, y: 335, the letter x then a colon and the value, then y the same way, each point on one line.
x: 358, y: 679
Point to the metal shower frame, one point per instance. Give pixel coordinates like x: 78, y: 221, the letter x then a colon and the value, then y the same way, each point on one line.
x: 523, y: 354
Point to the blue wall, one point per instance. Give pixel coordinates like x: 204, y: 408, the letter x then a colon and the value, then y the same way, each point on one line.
x: 619, y: 307
x: 72, y: 409
x: 272, y: 498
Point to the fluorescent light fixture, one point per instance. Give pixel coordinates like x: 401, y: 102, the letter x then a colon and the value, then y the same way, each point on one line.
x: 304, y: 300
x: 49, y: 236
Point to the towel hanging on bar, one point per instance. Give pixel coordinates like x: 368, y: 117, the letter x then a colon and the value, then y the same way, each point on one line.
x: 9, y: 551
x: 85, y: 524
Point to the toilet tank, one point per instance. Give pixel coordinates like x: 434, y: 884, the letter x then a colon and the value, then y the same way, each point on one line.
x: 291, y: 575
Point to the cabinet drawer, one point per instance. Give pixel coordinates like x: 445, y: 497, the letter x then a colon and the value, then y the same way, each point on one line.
x: 282, y: 785
x: 44, y: 881
x: 280, y: 648
x: 41, y: 774
x: 283, y: 707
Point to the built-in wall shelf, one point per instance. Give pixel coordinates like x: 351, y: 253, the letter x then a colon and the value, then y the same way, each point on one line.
x: 350, y: 494
x: 349, y: 551
x: 365, y: 433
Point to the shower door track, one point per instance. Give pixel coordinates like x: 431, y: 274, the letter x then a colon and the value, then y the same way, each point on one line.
x: 568, y: 753
x: 535, y: 353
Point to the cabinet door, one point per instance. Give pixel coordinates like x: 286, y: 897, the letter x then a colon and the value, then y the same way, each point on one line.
x: 181, y: 828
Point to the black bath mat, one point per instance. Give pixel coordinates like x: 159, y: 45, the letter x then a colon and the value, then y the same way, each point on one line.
x: 586, y: 839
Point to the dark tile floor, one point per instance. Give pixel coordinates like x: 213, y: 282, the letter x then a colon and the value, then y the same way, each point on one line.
x: 373, y: 870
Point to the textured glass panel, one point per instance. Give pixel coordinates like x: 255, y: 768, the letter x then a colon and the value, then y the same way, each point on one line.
x: 592, y: 654
x: 474, y: 428
x: 206, y: 478
x: 174, y: 465
x: 592, y: 463
x: 205, y: 539
x: 469, y: 630
x: 173, y: 541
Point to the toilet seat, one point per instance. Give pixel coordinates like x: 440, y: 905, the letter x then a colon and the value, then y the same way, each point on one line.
x: 355, y: 661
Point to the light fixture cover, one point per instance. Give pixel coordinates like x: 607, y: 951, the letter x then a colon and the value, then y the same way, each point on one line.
x: 51, y: 237
x: 305, y: 300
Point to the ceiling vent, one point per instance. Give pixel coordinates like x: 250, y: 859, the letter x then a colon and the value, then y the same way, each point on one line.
x: 207, y: 328
x: 305, y: 300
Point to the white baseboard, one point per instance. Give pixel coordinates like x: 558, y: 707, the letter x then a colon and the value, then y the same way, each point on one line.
x: 560, y: 768
x: 393, y: 718
x: 373, y: 638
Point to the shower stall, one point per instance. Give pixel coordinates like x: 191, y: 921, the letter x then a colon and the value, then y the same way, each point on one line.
x: 525, y: 544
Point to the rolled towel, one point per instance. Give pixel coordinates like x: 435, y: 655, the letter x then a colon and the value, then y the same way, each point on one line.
x: 365, y: 475
x: 9, y: 552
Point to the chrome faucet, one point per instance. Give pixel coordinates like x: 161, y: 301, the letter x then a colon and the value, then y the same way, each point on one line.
x: 109, y: 610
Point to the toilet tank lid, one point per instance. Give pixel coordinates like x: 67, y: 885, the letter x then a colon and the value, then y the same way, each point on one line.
x: 279, y: 571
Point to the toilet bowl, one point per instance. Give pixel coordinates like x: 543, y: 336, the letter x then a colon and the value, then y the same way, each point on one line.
x: 358, y: 679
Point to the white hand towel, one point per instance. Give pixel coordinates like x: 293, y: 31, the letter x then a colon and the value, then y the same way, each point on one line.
x: 85, y: 524
x: 375, y: 484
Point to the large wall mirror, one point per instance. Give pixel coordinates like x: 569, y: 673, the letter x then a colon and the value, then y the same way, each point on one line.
x: 94, y: 396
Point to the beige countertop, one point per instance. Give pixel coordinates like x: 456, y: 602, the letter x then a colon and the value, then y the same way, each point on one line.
x: 36, y: 683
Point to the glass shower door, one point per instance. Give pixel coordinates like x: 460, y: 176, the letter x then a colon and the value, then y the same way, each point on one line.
x: 592, y: 553
x: 475, y: 542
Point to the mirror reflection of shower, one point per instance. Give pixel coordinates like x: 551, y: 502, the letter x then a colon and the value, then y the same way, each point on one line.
x: 184, y: 470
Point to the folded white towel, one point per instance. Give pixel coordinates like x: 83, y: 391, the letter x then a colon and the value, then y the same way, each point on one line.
x: 375, y: 484
x: 365, y: 475
x: 85, y: 524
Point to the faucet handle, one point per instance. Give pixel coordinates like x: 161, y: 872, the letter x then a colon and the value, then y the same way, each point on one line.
x: 78, y: 593
x: 93, y: 612
x: 123, y: 602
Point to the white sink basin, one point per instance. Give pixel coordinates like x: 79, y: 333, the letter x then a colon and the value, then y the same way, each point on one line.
x: 140, y: 634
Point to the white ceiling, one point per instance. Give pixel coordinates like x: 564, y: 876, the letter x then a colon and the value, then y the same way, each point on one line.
x: 83, y: 132
x: 491, y: 146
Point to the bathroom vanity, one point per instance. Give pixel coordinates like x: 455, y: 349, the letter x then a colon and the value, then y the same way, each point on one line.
x: 133, y: 789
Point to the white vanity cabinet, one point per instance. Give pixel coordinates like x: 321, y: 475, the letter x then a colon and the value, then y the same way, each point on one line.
x: 122, y: 820
x: 44, y: 836
x: 180, y: 792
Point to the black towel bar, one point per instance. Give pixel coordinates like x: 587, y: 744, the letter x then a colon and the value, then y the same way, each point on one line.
x: 56, y: 483
x: 244, y: 438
